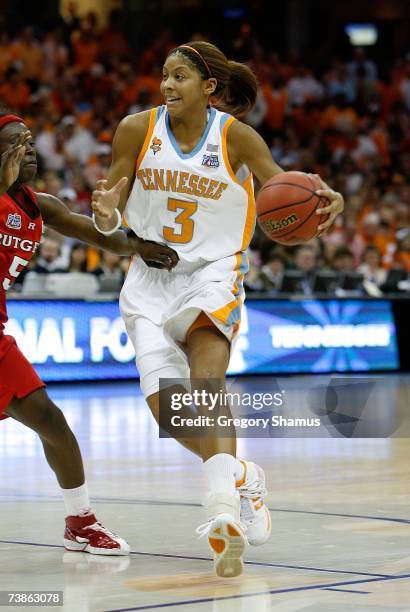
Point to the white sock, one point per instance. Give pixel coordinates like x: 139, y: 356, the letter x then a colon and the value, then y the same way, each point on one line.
x: 220, y: 473
x: 76, y: 501
x: 239, y: 470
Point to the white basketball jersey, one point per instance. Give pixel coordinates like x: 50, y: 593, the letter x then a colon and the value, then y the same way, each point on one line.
x: 192, y: 202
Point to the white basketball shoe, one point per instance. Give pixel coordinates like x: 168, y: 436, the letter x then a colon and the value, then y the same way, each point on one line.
x: 226, y: 534
x: 254, y: 513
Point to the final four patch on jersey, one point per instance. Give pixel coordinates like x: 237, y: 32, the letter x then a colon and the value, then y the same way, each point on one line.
x: 212, y: 161
x: 156, y: 144
x: 14, y: 221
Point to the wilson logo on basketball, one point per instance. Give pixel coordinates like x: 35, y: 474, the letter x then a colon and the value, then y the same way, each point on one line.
x: 272, y: 226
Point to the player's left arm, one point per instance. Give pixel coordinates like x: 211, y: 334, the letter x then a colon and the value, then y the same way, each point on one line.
x: 57, y: 215
x: 246, y: 146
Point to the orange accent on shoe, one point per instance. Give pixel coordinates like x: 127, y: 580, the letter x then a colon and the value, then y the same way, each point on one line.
x: 232, y: 531
x: 218, y: 530
x: 217, y: 545
x: 240, y: 482
x: 259, y: 505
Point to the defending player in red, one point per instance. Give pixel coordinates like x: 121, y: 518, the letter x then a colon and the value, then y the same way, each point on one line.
x: 22, y: 393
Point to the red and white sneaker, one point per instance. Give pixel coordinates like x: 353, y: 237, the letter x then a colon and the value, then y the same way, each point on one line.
x: 86, y: 534
x: 255, y: 514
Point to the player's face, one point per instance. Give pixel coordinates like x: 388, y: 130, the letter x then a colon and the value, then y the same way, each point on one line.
x: 8, y: 136
x: 182, y: 86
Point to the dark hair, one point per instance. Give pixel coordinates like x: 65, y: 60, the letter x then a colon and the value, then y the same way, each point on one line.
x: 236, y: 87
x: 76, y: 246
x: 372, y: 248
x: 342, y: 251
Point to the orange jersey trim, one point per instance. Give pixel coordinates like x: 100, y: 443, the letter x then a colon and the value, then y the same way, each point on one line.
x: 250, y: 214
x: 247, y: 185
x: 225, y: 149
x: 151, y: 125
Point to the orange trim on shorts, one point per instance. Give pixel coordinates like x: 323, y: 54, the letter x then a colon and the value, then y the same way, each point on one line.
x: 151, y: 125
x: 223, y: 313
x: 202, y: 320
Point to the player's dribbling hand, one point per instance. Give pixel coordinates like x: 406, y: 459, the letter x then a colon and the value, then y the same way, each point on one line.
x: 333, y: 208
x: 11, y: 160
x: 105, y: 201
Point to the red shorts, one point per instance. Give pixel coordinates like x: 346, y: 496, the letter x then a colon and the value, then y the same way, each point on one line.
x: 17, y: 376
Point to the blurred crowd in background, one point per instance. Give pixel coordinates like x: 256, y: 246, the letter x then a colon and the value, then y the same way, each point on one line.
x: 347, y: 119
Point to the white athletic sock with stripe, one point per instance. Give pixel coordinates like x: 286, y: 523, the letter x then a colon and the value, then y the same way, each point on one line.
x: 77, y: 501
x: 220, y: 472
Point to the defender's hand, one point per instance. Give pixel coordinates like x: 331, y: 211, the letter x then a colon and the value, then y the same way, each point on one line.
x: 158, y: 255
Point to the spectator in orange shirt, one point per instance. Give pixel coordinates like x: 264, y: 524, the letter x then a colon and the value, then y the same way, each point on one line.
x: 15, y: 92
x: 134, y: 84
x: 6, y: 53
x: 85, y: 48
x: 113, y: 43
x: 98, y: 165
x: 403, y: 253
x: 388, y: 93
x: 28, y: 51
x: 340, y: 116
x: 276, y: 98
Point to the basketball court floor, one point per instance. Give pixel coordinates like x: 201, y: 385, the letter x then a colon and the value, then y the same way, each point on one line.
x: 340, y: 509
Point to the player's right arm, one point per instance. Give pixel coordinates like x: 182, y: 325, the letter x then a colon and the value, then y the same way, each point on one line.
x: 246, y: 146
x: 113, y: 192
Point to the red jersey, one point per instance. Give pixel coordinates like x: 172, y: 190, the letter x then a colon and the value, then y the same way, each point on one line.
x: 21, y: 227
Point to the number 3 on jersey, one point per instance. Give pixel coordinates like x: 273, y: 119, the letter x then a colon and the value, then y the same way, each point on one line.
x: 16, y: 266
x: 183, y: 219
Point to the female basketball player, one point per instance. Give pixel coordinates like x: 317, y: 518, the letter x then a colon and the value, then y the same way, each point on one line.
x: 193, y: 168
x: 22, y: 394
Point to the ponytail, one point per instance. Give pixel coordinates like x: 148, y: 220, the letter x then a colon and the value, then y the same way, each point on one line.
x: 240, y: 94
x: 236, y: 88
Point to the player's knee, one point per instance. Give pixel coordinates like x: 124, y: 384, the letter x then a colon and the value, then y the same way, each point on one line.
x: 50, y: 422
x: 202, y: 369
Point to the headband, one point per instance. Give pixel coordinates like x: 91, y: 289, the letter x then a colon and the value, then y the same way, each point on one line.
x: 200, y: 56
x: 10, y: 119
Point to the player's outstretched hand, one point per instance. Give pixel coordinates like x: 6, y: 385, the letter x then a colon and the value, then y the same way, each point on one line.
x: 11, y: 160
x: 158, y: 255
x: 334, y: 206
x: 105, y: 201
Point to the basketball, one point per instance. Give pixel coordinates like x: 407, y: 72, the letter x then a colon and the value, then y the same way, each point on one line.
x: 286, y: 206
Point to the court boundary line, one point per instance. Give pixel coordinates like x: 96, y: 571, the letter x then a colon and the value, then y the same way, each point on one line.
x: 190, y: 558
x: 312, y: 587
x: 347, y: 591
x: 150, y: 502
